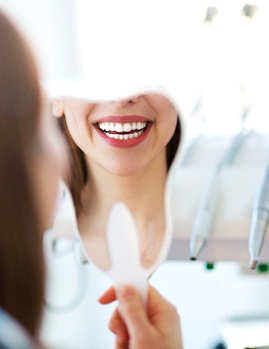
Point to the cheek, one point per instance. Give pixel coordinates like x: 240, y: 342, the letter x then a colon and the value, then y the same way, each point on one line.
x: 77, y: 115
x: 169, y: 126
x: 79, y: 129
x: 167, y: 115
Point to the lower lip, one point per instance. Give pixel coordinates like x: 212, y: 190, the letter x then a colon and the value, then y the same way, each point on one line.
x: 125, y: 143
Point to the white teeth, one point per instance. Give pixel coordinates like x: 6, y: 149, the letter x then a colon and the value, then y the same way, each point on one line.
x: 121, y: 127
x: 124, y: 131
x: 118, y: 127
x: 125, y: 136
x: 127, y: 127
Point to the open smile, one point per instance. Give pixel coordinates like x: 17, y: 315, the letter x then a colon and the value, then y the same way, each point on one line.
x: 123, y: 133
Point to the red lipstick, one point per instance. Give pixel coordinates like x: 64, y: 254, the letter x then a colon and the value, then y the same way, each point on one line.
x: 123, y: 131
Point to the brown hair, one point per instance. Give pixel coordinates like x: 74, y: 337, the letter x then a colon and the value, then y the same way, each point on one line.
x: 78, y: 170
x: 22, y: 269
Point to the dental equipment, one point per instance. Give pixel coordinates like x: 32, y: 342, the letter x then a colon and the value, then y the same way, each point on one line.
x: 259, y: 219
x: 204, y: 216
x: 208, y: 203
x: 64, y: 248
x: 71, y: 249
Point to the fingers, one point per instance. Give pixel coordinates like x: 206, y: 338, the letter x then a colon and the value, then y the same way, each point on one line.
x: 159, y: 310
x: 116, y: 324
x: 108, y: 297
x: 118, y: 327
x: 120, y: 346
x: 132, y: 311
x: 134, y: 325
x: 157, y: 303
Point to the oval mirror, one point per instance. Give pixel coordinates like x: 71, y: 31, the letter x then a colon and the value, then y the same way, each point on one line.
x: 122, y: 150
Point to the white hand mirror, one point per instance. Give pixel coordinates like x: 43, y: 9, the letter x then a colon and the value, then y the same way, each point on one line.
x: 122, y: 156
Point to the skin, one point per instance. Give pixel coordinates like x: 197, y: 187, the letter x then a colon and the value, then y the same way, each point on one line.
x: 135, y: 175
x: 134, y: 327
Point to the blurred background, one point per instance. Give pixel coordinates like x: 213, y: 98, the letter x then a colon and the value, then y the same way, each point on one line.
x: 213, y: 57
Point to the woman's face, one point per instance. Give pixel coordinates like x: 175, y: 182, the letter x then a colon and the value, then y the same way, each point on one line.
x: 49, y: 167
x: 123, y: 136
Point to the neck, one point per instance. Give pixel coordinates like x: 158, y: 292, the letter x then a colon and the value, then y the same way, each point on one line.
x: 142, y: 192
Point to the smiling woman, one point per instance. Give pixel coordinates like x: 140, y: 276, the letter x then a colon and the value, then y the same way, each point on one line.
x: 121, y: 150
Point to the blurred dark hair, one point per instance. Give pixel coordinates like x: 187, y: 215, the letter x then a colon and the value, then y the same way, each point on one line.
x: 173, y: 144
x: 22, y: 268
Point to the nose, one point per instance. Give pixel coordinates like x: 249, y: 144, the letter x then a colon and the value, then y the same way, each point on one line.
x: 128, y: 101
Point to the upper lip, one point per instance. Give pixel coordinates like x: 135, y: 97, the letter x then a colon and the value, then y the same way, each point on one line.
x: 122, y: 119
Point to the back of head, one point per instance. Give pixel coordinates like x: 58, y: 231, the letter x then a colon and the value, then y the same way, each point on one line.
x: 21, y: 263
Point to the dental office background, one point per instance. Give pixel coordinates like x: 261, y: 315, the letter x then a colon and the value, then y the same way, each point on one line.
x: 224, y: 59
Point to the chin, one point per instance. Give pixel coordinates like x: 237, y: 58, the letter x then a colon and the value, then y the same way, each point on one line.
x: 125, y: 171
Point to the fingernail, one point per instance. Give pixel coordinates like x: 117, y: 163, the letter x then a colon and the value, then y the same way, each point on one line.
x: 125, y: 292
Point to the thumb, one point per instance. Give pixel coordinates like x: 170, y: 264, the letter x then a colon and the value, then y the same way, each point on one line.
x: 132, y: 310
